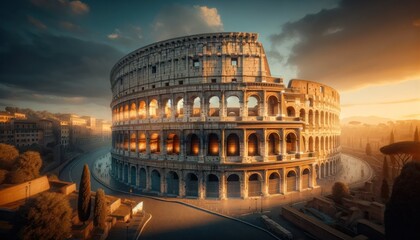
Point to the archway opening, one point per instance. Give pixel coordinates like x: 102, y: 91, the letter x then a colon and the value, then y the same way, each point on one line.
x: 253, y: 145
x: 291, y: 181
x: 232, y: 145
x: 233, y: 186
x: 172, y: 183
x: 212, y: 186
x: 253, y: 104
x: 191, y: 185
x: 213, y: 145
x: 274, y: 183
x: 291, y: 143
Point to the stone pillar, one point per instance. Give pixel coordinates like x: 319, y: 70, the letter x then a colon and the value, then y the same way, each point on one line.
x: 245, y: 105
x: 137, y: 142
x: 223, y: 148
x: 222, y: 104
x: 182, y: 184
x: 263, y: 104
x: 283, y: 181
x: 299, y: 178
x: 244, y: 185
x: 148, y: 180
x: 163, y: 152
x: 222, y: 186
x: 264, y: 185
x: 313, y: 176
x: 283, y: 142
x: 299, y: 146
x: 201, y: 185
x: 147, y: 143
x: 262, y: 143
x: 181, y: 146
x: 201, y: 150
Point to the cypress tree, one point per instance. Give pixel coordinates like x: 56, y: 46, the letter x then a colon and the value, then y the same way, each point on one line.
x: 416, y: 135
x: 368, y: 149
x: 391, y: 138
x: 84, y: 200
x: 385, y: 169
x: 100, y: 210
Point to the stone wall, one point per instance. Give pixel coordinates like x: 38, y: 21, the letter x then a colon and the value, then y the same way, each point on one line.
x: 24, y: 190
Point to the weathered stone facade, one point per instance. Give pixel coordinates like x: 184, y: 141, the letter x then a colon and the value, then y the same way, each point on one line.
x: 201, y: 116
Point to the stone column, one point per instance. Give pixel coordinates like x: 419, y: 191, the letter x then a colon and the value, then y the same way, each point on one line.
x: 222, y: 186
x: 147, y: 143
x: 162, y: 145
x: 264, y: 185
x: 283, y: 142
x: 283, y: 181
x: 262, y: 143
x: 244, y: 185
x: 299, y: 178
x: 223, y: 148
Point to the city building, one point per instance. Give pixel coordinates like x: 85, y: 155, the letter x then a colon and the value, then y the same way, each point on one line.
x: 201, y: 116
x: 48, y: 133
x: 26, y: 133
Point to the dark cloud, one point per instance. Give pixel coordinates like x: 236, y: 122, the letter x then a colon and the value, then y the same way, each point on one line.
x: 64, y: 68
x: 356, y: 44
x: 70, y: 7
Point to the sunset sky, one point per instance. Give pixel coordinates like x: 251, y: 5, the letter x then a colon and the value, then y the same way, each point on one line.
x: 56, y: 55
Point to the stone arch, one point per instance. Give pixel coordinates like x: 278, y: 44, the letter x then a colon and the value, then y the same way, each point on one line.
x: 153, y: 108
x: 291, y: 111
x: 322, y: 143
x: 322, y: 118
x: 196, y: 107
x: 126, y: 180
x: 214, y: 106
x: 126, y: 112
x: 213, y: 145
x: 232, y: 146
x: 142, y: 109
x: 311, y: 144
x: 316, y: 118
x: 254, y: 185
x: 291, y: 143
x: 302, y: 115
x: 133, y: 175
x: 291, y: 181
x: 233, y: 106
x: 180, y: 107
x: 191, y: 185
x: 133, y: 111
x: 142, y: 178
x: 156, y: 179
x: 132, y: 142
x: 311, y: 117
x: 154, y: 143
x: 121, y: 113
x: 273, y: 143
x: 253, y: 105
x: 322, y: 170
x: 274, y: 183
x: 273, y: 106
x: 193, y: 145
x: 168, y: 108
x: 233, y: 186
x: 317, y: 144
x: 172, y: 183
x: 253, y: 146
x: 306, y: 178
x: 142, y: 143
x: 173, y: 144
x: 212, y: 186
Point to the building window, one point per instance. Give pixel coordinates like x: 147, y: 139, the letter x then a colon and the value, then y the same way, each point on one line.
x: 167, y: 84
x: 213, y: 80
x: 234, y: 80
x: 196, y: 63
x: 154, y: 69
x: 234, y: 61
x: 153, y: 86
x: 181, y: 82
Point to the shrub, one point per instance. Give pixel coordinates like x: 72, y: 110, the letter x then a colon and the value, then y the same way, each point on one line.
x: 339, y: 191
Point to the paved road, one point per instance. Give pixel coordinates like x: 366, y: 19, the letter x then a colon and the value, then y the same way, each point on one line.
x: 170, y: 220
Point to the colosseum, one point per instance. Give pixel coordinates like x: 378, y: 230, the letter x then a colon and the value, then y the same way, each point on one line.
x: 201, y: 116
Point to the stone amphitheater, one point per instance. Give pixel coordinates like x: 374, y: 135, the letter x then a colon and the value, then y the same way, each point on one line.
x: 201, y: 116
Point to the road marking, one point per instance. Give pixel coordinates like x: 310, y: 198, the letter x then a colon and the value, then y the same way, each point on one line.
x: 144, y: 225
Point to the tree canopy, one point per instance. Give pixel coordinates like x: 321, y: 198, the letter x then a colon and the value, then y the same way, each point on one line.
x: 26, y: 167
x: 47, y: 216
x: 100, y: 211
x: 8, y: 155
x: 403, y: 210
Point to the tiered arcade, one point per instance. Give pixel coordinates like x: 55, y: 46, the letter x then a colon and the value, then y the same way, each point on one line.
x: 201, y: 116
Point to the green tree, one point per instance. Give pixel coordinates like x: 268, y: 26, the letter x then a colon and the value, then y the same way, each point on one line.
x: 47, y: 216
x: 84, y: 199
x: 416, y: 135
x: 26, y: 167
x: 385, y: 169
x: 100, y: 211
x: 8, y: 155
x: 339, y: 191
x: 384, y: 190
x: 403, y: 210
x: 368, y: 149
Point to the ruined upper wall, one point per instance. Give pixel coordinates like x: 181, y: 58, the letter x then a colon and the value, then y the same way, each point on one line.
x: 202, y: 58
x: 319, y: 90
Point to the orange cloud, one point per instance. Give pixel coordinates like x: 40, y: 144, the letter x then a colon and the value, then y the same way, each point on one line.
x: 356, y: 44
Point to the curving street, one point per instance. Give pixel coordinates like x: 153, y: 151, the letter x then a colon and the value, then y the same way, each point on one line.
x: 171, y: 220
